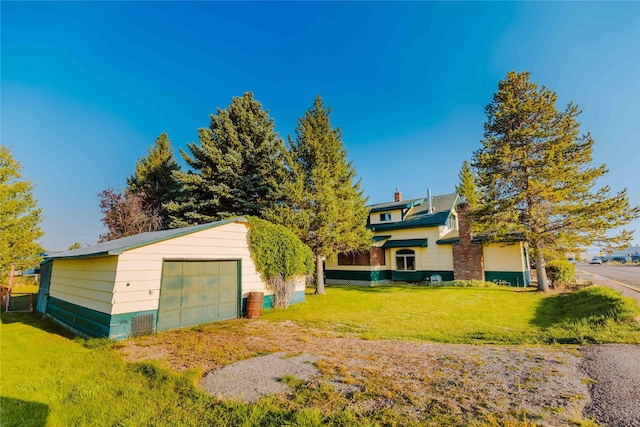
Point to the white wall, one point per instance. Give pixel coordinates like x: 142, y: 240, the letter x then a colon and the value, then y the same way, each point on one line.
x: 87, y: 282
x: 137, y: 283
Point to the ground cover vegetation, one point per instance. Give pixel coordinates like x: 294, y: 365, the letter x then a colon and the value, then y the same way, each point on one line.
x: 535, y: 177
x: 152, y: 380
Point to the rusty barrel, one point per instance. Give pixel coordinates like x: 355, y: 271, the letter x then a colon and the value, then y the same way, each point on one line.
x: 254, y: 305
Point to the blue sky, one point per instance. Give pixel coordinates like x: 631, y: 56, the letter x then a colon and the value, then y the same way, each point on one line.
x: 87, y: 87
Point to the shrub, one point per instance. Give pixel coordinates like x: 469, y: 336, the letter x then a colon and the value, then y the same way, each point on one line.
x: 560, y: 272
x: 279, y: 257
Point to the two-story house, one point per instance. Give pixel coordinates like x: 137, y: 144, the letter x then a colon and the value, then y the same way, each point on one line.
x: 425, y: 240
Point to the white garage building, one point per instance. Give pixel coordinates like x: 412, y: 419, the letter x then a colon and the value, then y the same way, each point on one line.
x: 153, y: 281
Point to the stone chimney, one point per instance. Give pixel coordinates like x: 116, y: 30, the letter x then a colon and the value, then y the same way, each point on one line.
x: 468, y: 258
x: 397, y: 196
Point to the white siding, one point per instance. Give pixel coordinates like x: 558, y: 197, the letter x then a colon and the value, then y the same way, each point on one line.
x: 503, y: 257
x: 137, y: 284
x: 85, y: 282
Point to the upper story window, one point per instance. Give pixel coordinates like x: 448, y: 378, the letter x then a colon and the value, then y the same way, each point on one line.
x: 406, y: 260
x: 453, y: 222
x: 385, y: 217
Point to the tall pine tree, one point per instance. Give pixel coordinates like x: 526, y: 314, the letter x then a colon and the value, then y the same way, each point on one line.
x: 536, y: 178
x: 467, y: 187
x: 325, y: 208
x: 154, y: 176
x: 235, y: 167
x: 19, y: 217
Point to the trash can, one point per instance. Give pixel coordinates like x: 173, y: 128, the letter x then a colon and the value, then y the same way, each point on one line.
x: 254, y: 305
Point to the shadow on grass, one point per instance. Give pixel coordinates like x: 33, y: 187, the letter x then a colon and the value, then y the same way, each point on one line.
x: 16, y: 412
x: 583, y: 312
x: 37, y: 321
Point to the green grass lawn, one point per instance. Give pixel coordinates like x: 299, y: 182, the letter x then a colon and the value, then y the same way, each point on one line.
x: 48, y: 378
x: 497, y: 315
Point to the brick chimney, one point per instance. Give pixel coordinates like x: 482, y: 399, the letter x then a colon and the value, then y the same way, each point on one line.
x: 397, y: 196
x: 468, y: 258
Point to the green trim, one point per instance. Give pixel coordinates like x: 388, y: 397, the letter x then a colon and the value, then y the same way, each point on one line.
x: 365, y: 276
x: 298, y: 296
x: 120, y: 324
x: 380, y: 238
x: 376, y: 276
x: 406, y: 243
x: 449, y: 241
x: 514, y: 278
x: 84, y: 320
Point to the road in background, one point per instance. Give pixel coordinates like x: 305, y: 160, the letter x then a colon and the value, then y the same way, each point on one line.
x: 624, y: 279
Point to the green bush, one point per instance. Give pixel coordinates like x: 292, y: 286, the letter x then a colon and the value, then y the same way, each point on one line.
x: 277, y: 252
x: 560, y: 272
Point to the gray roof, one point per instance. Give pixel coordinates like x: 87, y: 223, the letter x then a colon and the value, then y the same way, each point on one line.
x: 118, y: 246
x: 395, y: 205
x: 420, y: 216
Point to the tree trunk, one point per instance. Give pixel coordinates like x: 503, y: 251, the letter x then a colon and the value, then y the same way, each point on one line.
x: 541, y: 268
x: 319, y: 275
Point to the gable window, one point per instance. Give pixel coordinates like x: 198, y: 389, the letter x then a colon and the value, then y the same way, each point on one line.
x: 406, y: 260
x: 453, y: 222
x: 385, y: 217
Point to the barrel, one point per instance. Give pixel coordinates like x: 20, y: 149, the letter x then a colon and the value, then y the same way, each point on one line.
x: 254, y: 305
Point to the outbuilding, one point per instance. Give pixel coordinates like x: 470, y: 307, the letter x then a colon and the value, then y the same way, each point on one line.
x: 154, y: 281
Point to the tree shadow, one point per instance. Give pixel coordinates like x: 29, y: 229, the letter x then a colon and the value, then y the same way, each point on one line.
x: 16, y: 412
x: 35, y: 320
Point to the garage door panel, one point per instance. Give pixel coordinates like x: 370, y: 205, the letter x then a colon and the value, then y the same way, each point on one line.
x: 227, y: 311
x: 228, y: 267
x: 172, y: 269
x: 200, y: 299
x: 172, y: 285
x: 204, y: 291
x: 168, y: 320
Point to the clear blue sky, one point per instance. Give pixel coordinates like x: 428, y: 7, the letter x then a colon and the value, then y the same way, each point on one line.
x: 88, y: 86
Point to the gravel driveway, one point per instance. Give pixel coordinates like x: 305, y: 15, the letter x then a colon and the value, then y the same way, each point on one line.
x: 549, y: 386
x: 615, y: 397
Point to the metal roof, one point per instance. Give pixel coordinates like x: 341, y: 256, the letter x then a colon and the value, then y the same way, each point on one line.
x: 118, y: 246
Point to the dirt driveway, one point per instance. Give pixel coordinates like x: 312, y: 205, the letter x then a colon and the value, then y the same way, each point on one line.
x: 419, y: 381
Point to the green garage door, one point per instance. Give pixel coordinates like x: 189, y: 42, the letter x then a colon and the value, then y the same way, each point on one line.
x: 196, y: 292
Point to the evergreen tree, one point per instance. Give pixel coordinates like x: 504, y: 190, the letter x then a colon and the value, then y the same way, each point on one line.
x: 235, y: 166
x: 324, y: 207
x: 154, y: 176
x: 19, y: 217
x: 467, y: 187
x: 536, y: 179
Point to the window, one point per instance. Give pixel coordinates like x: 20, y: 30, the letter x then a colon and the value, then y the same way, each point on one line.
x: 385, y: 217
x: 374, y: 257
x: 354, y: 258
x: 453, y: 223
x: 405, y: 260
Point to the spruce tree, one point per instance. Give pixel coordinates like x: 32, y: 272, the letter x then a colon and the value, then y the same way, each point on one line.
x: 467, y: 188
x: 235, y: 166
x: 536, y: 178
x: 325, y: 208
x: 20, y: 217
x: 154, y: 176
